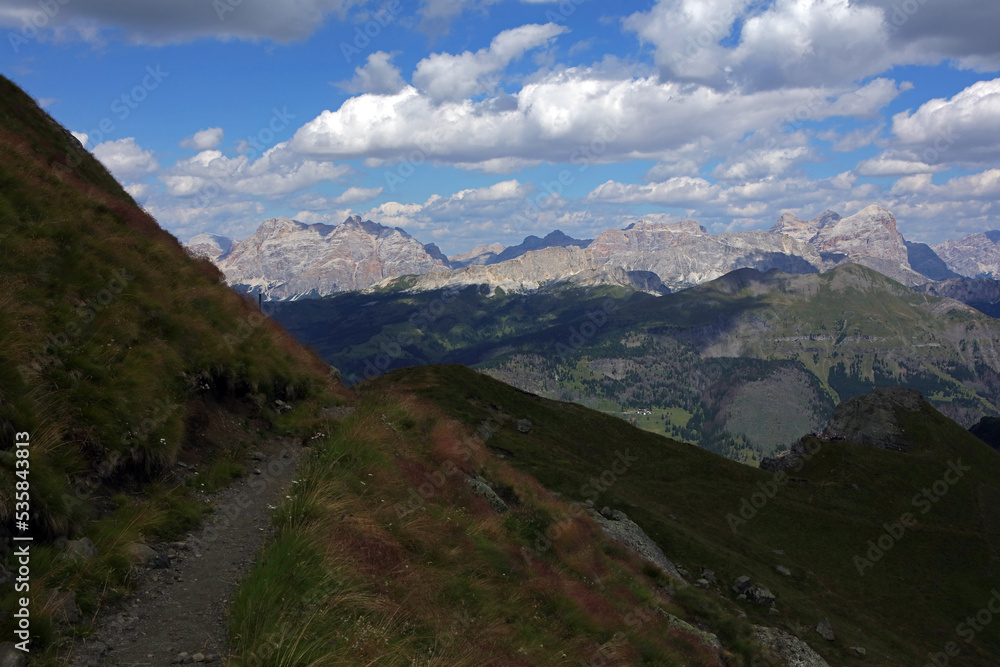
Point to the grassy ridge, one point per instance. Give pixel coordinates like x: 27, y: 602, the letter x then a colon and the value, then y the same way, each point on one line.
x: 385, y: 556
x: 117, y: 353
x: 907, y: 604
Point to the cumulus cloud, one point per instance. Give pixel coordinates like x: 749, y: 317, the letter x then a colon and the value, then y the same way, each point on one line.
x: 378, y: 76
x: 965, y: 128
x: 444, y: 76
x: 756, y: 46
x: 203, y: 139
x: 890, y: 165
x: 356, y: 195
x: 125, y: 159
x: 577, y: 115
x: 277, y: 172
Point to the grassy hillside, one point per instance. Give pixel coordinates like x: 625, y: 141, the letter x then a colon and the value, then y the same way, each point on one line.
x: 386, y: 556
x: 909, y: 602
x: 119, y: 355
x: 743, y: 365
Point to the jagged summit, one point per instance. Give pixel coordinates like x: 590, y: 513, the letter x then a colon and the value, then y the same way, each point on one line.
x: 286, y: 259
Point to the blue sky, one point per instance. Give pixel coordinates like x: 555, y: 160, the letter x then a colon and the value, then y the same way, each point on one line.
x: 474, y: 121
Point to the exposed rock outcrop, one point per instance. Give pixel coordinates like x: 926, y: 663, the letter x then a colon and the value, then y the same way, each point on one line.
x: 623, y: 530
x: 286, y: 259
x: 976, y: 255
x: 869, y: 237
x: 685, y: 254
x: 790, y: 648
x: 535, y: 270
x: 872, y: 419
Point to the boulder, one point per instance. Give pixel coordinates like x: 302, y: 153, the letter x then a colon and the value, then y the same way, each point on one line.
x: 760, y: 595
x: 484, y: 490
x: 63, y: 607
x: 11, y: 657
x: 82, y: 549
x: 794, y: 651
x: 741, y: 585
x: 524, y: 425
x: 825, y: 630
x: 140, y: 554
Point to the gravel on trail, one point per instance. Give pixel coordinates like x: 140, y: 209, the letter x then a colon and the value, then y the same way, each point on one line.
x: 178, y: 614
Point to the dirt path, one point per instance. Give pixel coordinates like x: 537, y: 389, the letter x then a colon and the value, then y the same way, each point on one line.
x: 183, y: 608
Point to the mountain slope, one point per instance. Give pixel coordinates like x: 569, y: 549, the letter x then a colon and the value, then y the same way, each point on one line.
x: 983, y: 294
x: 697, y: 508
x: 742, y: 364
x: 121, y: 355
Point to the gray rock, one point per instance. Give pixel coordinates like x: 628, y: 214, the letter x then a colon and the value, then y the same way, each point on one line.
x: 782, y: 570
x: 702, y: 583
x: 11, y: 657
x: 82, y: 549
x: 709, y: 576
x: 63, y: 607
x: 623, y: 530
x: 198, y: 657
x: 483, y: 490
x: 140, y: 554
x: 790, y: 648
x: 825, y: 630
x: 258, y: 456
x: 524, y: 425
x: 741, y: 585
x: 858, y: 651
x: 296, y: 260
x: 760, y: 595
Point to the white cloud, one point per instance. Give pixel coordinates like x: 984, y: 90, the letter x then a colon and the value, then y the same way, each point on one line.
x: 965, y: 128
x: 357, y: 195
x: 125, y: 159
x: 277, y: 172
x: 204, y: 139
x: 444, y: 76
x: 683, y: 191
x: 580, y: 116
x: 894, y: 165
x: 378, y: 75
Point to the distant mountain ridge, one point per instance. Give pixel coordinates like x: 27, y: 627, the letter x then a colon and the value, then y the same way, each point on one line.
x: 288, y: 260
x: 975, y: 256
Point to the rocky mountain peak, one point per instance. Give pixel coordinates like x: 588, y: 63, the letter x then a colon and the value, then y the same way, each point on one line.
x: 210, y: 246
x: 286, y: 259
x: 976, y: 255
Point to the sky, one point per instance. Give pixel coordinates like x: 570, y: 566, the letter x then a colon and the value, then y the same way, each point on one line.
x: 477, y: 121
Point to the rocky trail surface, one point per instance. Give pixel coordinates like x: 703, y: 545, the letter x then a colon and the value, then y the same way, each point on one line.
x: 178, y: 614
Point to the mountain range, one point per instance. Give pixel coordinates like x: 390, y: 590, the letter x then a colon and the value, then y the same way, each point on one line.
x: 288, y: 260
x: 439, y: 516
